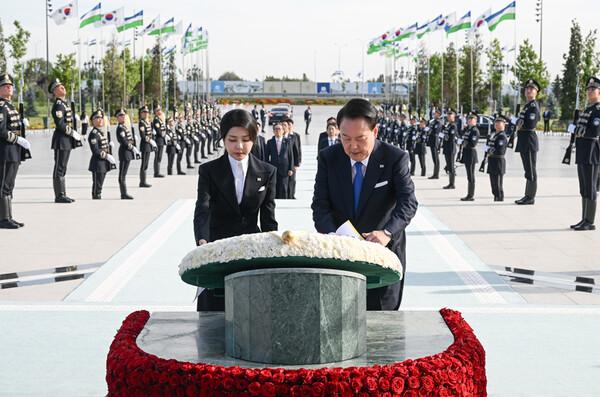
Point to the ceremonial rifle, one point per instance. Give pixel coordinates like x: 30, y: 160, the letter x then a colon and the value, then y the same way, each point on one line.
x: 25, y: 153
x: 514, y: 129
x: 485, y: 156
x: 110, y: 149
x: 567, y: 157
x: 74, y: 125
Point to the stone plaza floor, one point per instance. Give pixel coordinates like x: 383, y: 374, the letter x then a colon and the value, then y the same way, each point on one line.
x: 525, y: 282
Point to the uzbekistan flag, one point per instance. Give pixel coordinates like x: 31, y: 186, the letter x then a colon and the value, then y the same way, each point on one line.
x: 463, y: 23
x: 168, y: 27
x: 63, y: 13
x: 93, y: 15
x: 480, y: 21
x: 507, y: 13
x: 132, y: 22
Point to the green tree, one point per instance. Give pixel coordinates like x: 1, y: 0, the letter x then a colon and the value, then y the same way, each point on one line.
x: 556, y: 91
x: 18, y: 48
x: 552, y: 105
x: 530, y: 66
x: 132, y: 75
x: 571, y: 67
x: 470, y: 60
x: 229, y: 76
x: 450, y: 76
x: 64, y: 68
x: 112, y: 67
x: 495, y: 71
x: 2, y: 50
x: 152, y: 75
x: 589, y: 61
x: 29, y: 98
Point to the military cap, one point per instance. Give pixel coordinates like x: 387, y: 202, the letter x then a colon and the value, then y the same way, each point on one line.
x: 53, y: 84
x: 451, y: 111
x: 592, y: 82
x: 472, y: 115
x: 157, y: 108
x: 144, y: 109
x: 169, y: 119
x: 438, y: 111
x: 414, y: 118
x: 402, y: 116
x: 500, y: 118
x: 98, y: 113
x: 423, y: 120
x: 6, y: 79
x: 121, y: 112
x: 532, y: 83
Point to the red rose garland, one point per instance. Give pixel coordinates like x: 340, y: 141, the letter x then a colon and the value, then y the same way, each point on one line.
x: 459, y: 371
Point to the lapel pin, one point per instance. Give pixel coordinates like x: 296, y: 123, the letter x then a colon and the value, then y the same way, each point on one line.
x: 258, y: 179
x: 380, y: 165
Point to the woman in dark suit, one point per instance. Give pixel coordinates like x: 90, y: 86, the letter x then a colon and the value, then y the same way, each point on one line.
x: 233, y: 191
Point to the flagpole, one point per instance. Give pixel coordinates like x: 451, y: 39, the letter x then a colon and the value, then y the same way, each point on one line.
x: 47, y: 69
x: 160, y: 83
x: 143, y: 81
x: 79, y: 67
x: 442, y: 86
x: 457, y: 89
x: 515, y: 60
x: 472, y: 93
x: 207, y: 70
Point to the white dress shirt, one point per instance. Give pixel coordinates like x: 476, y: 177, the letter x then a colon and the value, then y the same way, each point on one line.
x: 239, y: 170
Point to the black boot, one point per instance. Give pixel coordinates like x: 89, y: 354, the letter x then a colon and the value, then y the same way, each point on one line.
x: 20, y: 224
x: 170, y: 171
x: 530, y: 191
x: 470, y: 192
x: 423, y: 171
x: 179, y: 171
x: 5, y: 222
x: 124, y: 195
x: 590, y: 216
x: 143, y: 179
x: 451, y: 184
x: 157, y: 173
x: 59, y: 191
x: 583, y: 203
x: 436, y: 172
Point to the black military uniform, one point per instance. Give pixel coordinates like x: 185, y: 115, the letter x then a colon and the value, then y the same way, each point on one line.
x: 435, y: 127
x: 146, y: 146
x: 189, y: 136
x: 401, y: 132
x: 159, y: 131
x: 411, y: 137
x: 197, y: 137
x: 180, y: 132
x: 172, y: 145
x: 468, y: 142
x: 101, y: 159
x: 127, y: 150
x: 11, y: 143
x: 449, y: 135
x: 420, y: 145
x: 63, y: 141
x: 297, y: 154
x: 587, y: 158
x: 496, y: 161
x: 527, y: 144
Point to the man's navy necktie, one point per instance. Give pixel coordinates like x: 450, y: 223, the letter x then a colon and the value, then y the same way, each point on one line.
x: 358, y: 181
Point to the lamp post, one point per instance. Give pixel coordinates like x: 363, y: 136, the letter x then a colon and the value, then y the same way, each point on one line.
x: 92, y: 67
x: 48, y: 11
x: 539, y: 14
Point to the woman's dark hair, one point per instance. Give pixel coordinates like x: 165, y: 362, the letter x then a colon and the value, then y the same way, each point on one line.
x: 239, y: 118
x: 358, y: 108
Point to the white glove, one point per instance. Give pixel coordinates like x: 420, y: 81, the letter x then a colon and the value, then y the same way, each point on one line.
x: 23, y: 142
x: 571, y: 128
x: 76, y: 136
x: 111, y: 144
x: 153, y: 132
x: 441, y: 135
x: 110, y: 158
x: 196, y: 139
x: 188, y: 141
x: 152, y: 143
x: 135, y: 150
x: 26, y: 123
x: 460, y: 141
x: 167, y: 138
x: 486, y: 148
x: 427, y: 129
x: 514, y: 120
x: 178, y: 147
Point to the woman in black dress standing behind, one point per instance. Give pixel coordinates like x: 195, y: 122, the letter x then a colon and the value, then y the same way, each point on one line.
x: 234, y: 190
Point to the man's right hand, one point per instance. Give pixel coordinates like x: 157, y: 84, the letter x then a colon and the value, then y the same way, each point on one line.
x: 201, y: 242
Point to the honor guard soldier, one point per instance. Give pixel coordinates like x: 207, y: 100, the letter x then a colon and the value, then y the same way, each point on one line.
x: 420, y: 145
x: 527, y: 143
x: 203, y: 134
x: 189, y: 137
x: 411, y: 137
x: 11, y: 143
x: 127, y: 150
x: 448, y: 136
x: 158, y: 131
x: 401, y: 132
x: 495, y: 150
x: 147, y: 144
x: 180, y: 132
x: 197, y: 136
x: 435, y: 127
x: 587, y: 155
x: 101, y: 159
x: 468, y: 143
x: 63, y: 139
x: 172, y: 145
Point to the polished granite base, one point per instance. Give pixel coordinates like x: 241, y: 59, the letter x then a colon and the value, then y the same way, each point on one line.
x: 392, y: 337
x: 295, y: 316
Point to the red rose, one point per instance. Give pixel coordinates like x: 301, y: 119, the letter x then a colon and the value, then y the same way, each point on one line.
x: 413, y: 382
x: 387, y: 371
x: 410, y: 393
x: 291, y: 376
x: 355, y: 384
x: 318, y: 389
x: 363, y: 394
x: 295, y: 391
x: 227, y: 383
x: 344, y: 389
x: 250, y: 374
x: 241, y: 384
x: 254, y: 388
x: 422, y: 392
x: 264, y: 376
x: 191, y: 390
x: 452, y: 376
x: 384, y: 384
x: 371, y: 384
x: 443, y: 392
x: 236, y: 372
x: 164, y: 378
x: 401, y: 371
x: 306, y: 391
x: 282, y: 390
x: 428, y: 383
x: 397, y: 385
x: 278, y: 378
x: 331, y: 387
x: 268, y: 389
x: 175, y: 380
x: 205, y: 381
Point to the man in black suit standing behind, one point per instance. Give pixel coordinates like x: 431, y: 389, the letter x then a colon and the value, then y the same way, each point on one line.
x: 279, y: 154
x: 367, y: 182
x: 307, y: 118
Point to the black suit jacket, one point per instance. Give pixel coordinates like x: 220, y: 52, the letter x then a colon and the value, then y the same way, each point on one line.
x: 387, y: 199
x: 284, y: 161
x: 218, y: 214
x: 258, y: 149
x: 324, y: 143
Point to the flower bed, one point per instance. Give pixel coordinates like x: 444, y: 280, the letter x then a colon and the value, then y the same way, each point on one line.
x: 458, y: 371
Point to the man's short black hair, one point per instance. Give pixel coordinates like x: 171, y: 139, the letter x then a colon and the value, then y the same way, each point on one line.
x: 239, y: 118
x: 358, y: 108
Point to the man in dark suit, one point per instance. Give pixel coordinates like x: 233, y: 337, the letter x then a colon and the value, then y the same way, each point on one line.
x: 263, y: 117
x: 255, y: 113
x: 367, y: 182
x: 307, y: 118
x: 323, y: 134
x: 295, y: 139
x: 279, y: 154
x: 547, y: 120
x: 330, y: 139
x: 259, y: 147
